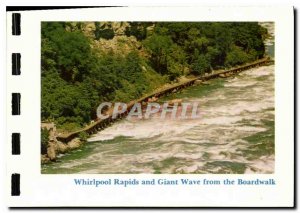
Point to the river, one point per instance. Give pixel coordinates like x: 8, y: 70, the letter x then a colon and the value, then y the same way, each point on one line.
x: 235, y: 134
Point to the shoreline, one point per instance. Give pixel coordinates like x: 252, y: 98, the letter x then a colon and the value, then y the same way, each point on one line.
x: 63, y: 143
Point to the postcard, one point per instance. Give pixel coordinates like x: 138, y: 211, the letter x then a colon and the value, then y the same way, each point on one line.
x: 150, y: 107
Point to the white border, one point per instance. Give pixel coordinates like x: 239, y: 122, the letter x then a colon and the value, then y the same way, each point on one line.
x: 59, y: 190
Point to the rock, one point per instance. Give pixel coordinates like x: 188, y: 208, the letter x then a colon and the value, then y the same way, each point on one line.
x: 150, y: 29
x: 51, y: 151
x: 45, y: 159
x: 198, y: 82
x: 88, y: 29
x: 61, y: 147
x: 51, y: 128
x: 74, y: 144
x: 153, y: 99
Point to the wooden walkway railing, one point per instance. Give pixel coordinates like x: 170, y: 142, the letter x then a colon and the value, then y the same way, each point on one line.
x: 101, y: 124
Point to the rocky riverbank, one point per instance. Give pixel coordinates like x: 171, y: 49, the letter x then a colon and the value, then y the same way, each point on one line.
x: 235, y: 134
x: 55, y: 147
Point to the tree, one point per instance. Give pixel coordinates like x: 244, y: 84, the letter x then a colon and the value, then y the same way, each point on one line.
x: 200, y: 64
x: 158, y: 46
x: 63, y: 50
x: 236, y: 56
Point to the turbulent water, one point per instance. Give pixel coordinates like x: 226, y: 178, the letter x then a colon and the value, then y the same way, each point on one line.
x: 235, y: 134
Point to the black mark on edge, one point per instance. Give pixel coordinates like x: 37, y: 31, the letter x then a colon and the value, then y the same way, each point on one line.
x: 15, y: 141
x: 16, y: 99
x: 15, y: 184
x: 16, y: 64
x: 16, y: 24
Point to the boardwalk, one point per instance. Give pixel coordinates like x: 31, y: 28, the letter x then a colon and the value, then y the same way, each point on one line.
x: 102, y: 124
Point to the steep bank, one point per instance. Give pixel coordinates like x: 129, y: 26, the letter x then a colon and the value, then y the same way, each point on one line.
x: 86, y: 63
x: 52, y: 147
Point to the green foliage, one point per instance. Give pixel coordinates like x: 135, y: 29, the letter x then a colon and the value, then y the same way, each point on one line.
x: 83, y: 136
x: 63, y: 50
x: 167, y: 58
x: 176, y: 61
x: 206, y: 45
x: 63, y: 101
x: 63, y: 125
x: 236, y: 56
x: 77, y: 78
x: 158, y: 47
x: 200, y: 64
x: 44, y: 140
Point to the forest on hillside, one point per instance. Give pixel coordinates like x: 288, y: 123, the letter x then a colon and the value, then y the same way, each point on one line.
x: 77, y: 76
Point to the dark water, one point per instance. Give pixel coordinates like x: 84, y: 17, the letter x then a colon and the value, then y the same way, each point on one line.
x: 235, y: 134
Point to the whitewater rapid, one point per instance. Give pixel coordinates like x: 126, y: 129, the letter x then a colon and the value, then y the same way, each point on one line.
x: 235, y: 134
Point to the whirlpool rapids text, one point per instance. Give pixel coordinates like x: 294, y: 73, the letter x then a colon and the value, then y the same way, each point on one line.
x: 182, y: 181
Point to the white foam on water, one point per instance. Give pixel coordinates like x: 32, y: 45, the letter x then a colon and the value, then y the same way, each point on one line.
x: 240, y: 84
x: 265, y: 165
x: 191, y: 156
x: 228, y: 114
x: 221, y: 120
x: 144, y: 129
x: 260, y: 71
x: 250, y: 129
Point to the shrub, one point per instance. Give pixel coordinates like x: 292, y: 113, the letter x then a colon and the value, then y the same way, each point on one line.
x: 236, y: 57
x: 200, y: 65
x: 83, y: 136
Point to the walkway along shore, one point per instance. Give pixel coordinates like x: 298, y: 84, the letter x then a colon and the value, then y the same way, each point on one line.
x: 102, y: 124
